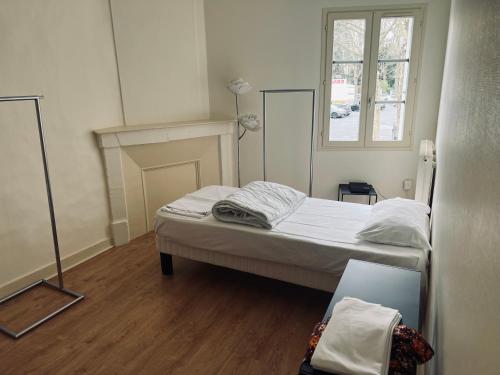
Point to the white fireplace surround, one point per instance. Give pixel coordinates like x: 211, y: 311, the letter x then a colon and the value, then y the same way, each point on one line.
x: 110, y: 140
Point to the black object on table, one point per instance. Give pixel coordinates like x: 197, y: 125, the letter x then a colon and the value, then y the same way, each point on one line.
x: 344, y: 190
x: 395, y: 287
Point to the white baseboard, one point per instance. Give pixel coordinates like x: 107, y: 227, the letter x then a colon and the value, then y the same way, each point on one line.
x: 50, y: 270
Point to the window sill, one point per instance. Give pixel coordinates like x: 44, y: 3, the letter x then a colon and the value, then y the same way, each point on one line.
x: 364, y: 148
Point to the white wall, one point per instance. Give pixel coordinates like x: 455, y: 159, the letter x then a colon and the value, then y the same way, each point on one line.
x: 277, y: 44
x: 161, y: 52
x: 66, y: 50
x: 465, y: 297
x: 63, y: 50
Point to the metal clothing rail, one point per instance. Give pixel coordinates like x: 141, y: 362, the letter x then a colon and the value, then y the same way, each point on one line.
x: 311, y: 156
x: 60, y: 287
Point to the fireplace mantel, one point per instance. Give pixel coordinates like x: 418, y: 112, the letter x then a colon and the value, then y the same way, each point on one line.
x: 111, y: 140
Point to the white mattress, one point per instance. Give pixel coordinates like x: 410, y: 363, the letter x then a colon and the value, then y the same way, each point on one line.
x: 319, y: 236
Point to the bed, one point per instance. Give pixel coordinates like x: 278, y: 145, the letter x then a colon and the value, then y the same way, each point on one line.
x: 311, y: 247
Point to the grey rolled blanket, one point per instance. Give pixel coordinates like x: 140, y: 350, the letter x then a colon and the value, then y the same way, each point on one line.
x: 259, y: 204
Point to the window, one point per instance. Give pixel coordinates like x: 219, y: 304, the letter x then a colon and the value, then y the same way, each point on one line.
x: 369, y: 77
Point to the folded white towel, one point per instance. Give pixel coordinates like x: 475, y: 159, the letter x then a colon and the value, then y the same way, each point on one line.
x: 199, y: 203
x: 357, y: 339
x: 187, y: 213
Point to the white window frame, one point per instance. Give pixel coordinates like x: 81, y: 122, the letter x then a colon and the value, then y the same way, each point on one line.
x: 373, y: 17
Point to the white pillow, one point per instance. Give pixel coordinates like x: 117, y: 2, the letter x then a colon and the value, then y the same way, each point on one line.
x: 402, y: 222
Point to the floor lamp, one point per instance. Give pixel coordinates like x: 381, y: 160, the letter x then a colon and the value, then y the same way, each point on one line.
x: 248, y: 121
x: 60, y: 286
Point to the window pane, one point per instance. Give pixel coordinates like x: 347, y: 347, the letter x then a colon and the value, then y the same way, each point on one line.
x: 392, y: 78
x: 392, y: 81
x: 345, y: 102
x: 348, y: 45
x: 395, y: 38
x: 388, y: 124
x: 348, y: 40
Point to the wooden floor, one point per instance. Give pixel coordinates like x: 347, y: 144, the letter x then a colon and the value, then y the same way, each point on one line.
x: 134, y: 320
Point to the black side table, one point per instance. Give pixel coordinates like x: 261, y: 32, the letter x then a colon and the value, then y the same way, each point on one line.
x: 344, y: 190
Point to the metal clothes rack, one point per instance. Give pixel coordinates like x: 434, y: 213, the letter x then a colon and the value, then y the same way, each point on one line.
x: 60, y: 286
x: 311, y: 156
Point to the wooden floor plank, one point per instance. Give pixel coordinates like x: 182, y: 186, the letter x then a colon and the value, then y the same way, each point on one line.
x: 202, y: 320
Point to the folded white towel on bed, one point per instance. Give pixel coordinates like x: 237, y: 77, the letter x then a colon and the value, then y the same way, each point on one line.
x: 259, y: 204
x: 199, y: 203
x: 357, y: 339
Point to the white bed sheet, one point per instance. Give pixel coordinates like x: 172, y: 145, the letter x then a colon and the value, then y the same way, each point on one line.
x: 319, y: 236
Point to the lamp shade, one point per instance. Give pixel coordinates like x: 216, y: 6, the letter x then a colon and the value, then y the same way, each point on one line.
x: 249, y: 121
x: 239, y: 86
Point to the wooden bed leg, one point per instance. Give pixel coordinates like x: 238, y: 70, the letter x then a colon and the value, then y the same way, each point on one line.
x: 166, y: 264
